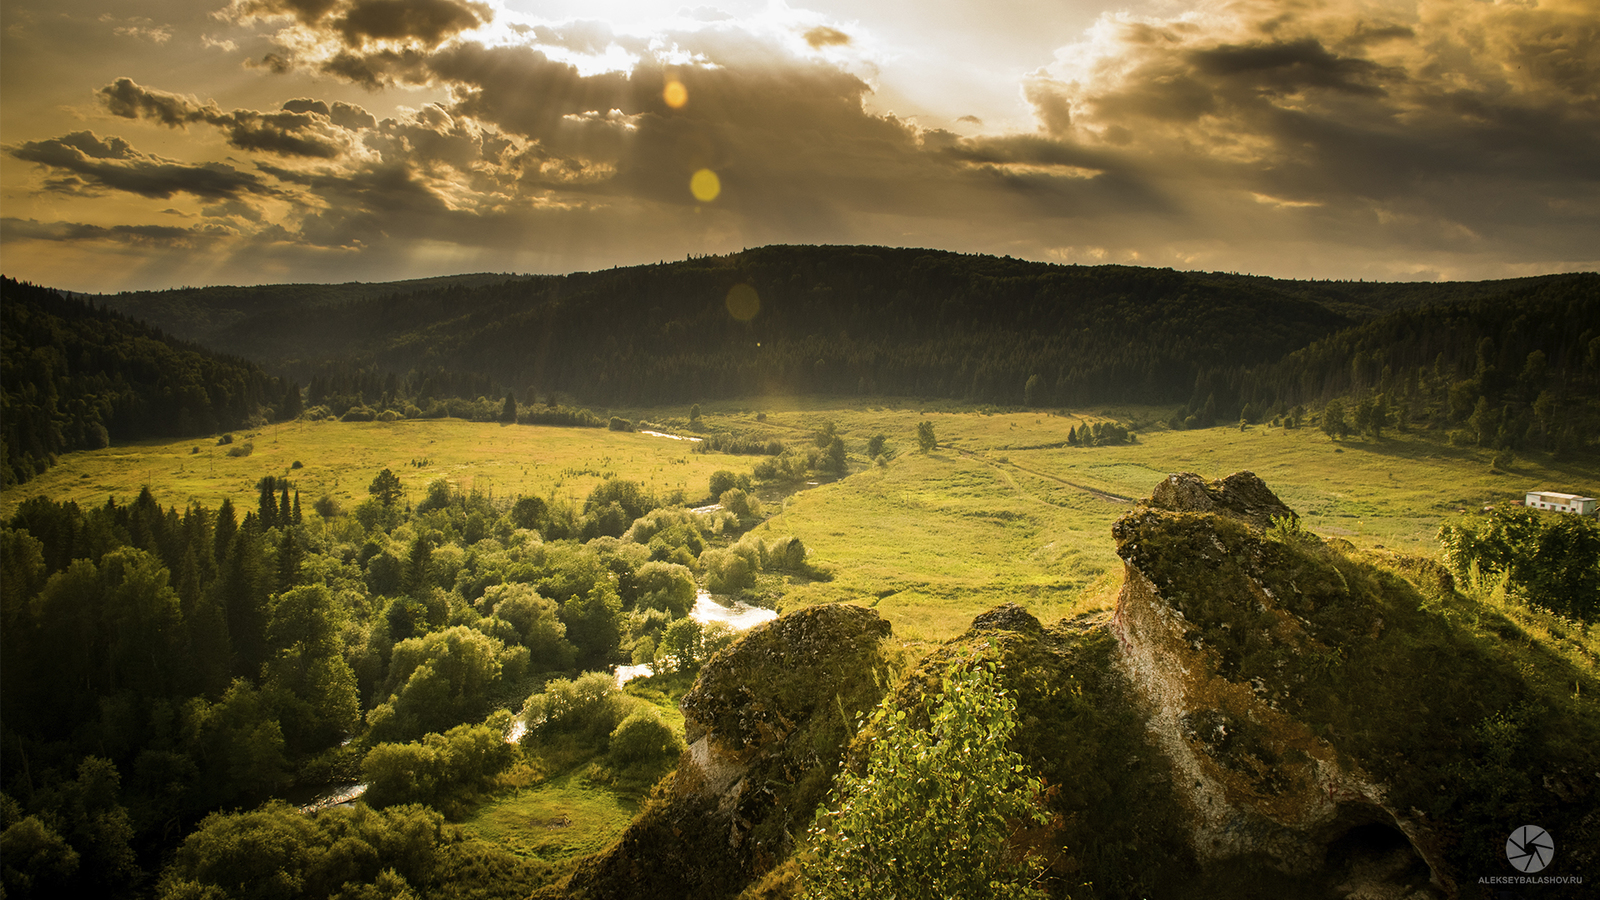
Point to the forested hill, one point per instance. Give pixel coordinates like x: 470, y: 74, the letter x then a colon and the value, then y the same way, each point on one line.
x: 1518, y: 370
x: 76, y: 377
x: 837, y: 320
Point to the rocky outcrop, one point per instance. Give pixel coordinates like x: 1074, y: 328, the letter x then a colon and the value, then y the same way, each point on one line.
x: 1211, y: 613
x: 767, y: 723
x: 1320, y: 713
x: 1241, y: 496
x: 1265, y: 714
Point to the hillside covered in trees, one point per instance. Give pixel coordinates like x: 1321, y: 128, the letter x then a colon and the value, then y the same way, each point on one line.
x: 849, y: 321
x: 77, y: 376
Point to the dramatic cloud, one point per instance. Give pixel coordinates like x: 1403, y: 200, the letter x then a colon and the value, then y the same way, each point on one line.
x: 1434, y: 123
x: 163, y: 235
x: 1394, y: 138
x: 307, y: 130
x: 113, y: 163
x: 358, y: 22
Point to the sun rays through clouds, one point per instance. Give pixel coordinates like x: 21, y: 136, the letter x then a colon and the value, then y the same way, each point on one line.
x: 1404, y: 139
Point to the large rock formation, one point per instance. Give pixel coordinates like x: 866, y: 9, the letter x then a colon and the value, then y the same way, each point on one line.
x: 767, y: 723
x: 1263, y: 715
x: 1315, y: 711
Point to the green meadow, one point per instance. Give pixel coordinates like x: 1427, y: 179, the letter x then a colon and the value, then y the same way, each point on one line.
x: 1000, y: 511
x: 556, y: 822
x: 341, y: 458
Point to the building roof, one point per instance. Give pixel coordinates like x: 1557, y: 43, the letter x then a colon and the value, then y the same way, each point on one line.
x: 1557, y: 495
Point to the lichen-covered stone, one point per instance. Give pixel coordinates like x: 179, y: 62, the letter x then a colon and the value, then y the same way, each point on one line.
x: 1241, y: 495
x: 1007, y: 617
x: 767, y: 722
x: 1303, y: 696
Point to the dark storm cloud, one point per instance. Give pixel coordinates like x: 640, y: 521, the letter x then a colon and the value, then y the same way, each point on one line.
x: 1445, y: 129
x: 823, y: 36
x: 429, y: 22
x: 357, y: 22
x: 307, y: 131
x: 1281, y: 67
x: 30, y: 229
x: 364, y: 205
x: 112, y: 163
x: 126, y: 99
x: 522, y: 90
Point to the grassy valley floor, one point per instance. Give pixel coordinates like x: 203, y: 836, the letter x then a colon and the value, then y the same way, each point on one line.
x: 1001, y: 511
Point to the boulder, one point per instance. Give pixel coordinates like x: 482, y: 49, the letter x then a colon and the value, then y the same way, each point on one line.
x: 767, y: 722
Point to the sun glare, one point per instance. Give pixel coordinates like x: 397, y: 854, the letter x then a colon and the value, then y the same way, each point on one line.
x: 743, y: 302
x: 675, y: 94
x: 705, y: 185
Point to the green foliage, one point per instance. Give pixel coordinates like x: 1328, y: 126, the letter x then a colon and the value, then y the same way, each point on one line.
x: 1550, y: 560
x: 1033, y: 391
x: 723, y: 481
x: 665, y: 586
x: 440, y: 680
x: 385, y: 488
x: 935, y: 811
x: 35, y: 861
x: 446, y: 771
x: 76, y: 377
x: 740, y: 504
x: 309, y: 682
x: 788, y: 554
x: 925, y: 438
x: 75, y: 842
x: 727, y: 570
x: 876, y: 444
x: 586, y: 709
x: 686, y: 645
x: 529, y: 513
x: 534, y: 623
x: 276, y: 851
x: 240, y: 742
x: 1333, y: 421
x: 594, y: 626
x: 643, y: 740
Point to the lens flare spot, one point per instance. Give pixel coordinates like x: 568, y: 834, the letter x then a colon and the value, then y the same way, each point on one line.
x: 675, y: 94
x: 705, y: 185
x: 743, y: 303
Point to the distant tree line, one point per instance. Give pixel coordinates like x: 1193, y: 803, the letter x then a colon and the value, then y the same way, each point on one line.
x: 76, y: 377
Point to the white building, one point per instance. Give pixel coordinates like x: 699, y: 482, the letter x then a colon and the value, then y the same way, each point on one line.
x: 1572, y: 503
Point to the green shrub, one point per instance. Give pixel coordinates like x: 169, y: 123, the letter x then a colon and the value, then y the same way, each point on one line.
x: 727, y: 572
x: 642, y: 739
x: 934, y: 812
x: 665, y: 586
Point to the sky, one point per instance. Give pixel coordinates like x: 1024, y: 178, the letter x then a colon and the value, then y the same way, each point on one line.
x: 162, y: 143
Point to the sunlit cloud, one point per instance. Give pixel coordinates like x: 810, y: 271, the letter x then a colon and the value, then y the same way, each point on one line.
x: 1393, y: 136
